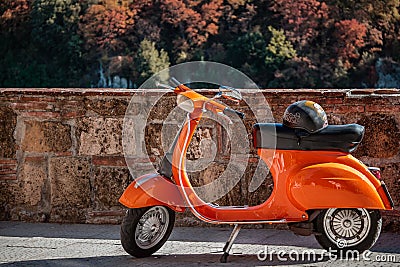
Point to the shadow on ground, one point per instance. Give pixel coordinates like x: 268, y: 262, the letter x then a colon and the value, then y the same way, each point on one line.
x: 165, y: 260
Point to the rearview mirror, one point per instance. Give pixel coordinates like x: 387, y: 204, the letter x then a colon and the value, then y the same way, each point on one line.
x: 185, y: 103
x: 230, y: 93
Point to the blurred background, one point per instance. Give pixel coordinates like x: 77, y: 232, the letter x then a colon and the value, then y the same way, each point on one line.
x: 277, y: 43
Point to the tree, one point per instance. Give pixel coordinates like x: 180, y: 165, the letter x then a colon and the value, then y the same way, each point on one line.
x: 149, y: 61
x: 103, y: 26
x: 299, y: 43
x: 238, y: 17
x: 14, y: 14
x: 193, y: 21
x: 279, y: 49
x: 302, y: 20
x: 54, y: 35
x: 248, y: 53
x: 299, y: 72
x: 53, y: 21
x: 350, y: 36
x: 109, y: 43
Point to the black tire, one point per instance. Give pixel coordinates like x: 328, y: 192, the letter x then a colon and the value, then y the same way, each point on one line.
x: 357, y: 232
x: 135, y: 225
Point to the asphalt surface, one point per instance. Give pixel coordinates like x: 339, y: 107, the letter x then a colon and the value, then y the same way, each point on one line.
x: 25, y: 244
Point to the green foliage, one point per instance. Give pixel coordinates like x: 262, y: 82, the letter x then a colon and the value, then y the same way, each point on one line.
x: 279, y: 48
x: 23, y: 70
x: 249, y: 48
x: 54, y: 34
x: 299, y: 72
x: 54, y: 22
x: 149, y: 60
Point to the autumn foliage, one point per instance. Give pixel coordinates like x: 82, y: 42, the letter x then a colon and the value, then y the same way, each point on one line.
x: 350, y: 35
x: 278, y: 43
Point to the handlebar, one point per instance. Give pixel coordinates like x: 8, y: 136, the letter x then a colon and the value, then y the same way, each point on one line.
x: 228, y: 111
x: 210, y: 104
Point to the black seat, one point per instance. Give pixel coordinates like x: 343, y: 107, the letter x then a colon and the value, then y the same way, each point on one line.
x: 343, y: 138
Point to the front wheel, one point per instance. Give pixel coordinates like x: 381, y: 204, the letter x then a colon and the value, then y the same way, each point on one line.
x: 348, y: 229
x: 145, y: 230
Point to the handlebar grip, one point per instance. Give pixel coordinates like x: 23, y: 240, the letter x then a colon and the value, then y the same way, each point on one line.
x: 229, y: 111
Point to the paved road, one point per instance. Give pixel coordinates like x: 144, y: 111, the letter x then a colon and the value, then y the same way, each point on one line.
x: 24, y: 244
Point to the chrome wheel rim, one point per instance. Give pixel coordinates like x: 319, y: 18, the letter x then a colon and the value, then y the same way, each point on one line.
x: 152, y: 227
x: 347, y: 227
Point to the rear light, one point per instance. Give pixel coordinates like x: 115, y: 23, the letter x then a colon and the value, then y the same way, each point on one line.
x: 376, y: 172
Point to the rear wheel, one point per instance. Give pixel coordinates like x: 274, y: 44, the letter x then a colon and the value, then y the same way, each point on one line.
x: 348, y: 229
x: 145, y: 230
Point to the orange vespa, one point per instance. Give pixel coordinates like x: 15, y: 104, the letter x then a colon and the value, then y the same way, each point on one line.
x: 319, y: 187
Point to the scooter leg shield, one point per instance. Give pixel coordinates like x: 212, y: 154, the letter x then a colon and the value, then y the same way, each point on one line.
x: 152, y: 190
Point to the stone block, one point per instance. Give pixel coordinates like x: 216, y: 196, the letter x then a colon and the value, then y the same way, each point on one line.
x: 46, y: 136
x: 391, y: 224
x: 6, y: 200
x: 206, y: 186
x: 201, y: 145
x: 32, y: 181
x: 153, y: 140
x: 163, y: 107
x: 107, y: 107
x: 8, y: 121
x: 27, y: 198
x: 257, y: 183
x: 245, y: 193
x: 109, y: 184
x: 382, y: 137
x: 70, y: 189
x: 99, y: 136
x: 391, y: 176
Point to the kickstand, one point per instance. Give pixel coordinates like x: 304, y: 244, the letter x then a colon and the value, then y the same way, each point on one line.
x: 229, y: 243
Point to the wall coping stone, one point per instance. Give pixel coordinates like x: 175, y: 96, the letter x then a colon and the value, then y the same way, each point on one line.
x: 128, y: 92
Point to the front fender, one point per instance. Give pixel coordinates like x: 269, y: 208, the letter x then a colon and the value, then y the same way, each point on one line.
x: 333, y: 185
x: 152, y: 190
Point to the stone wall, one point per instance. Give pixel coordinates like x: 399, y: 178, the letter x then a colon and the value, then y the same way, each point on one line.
x: 61, y: 150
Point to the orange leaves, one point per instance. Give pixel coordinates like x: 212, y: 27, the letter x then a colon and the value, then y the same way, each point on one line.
x: 103, y: 26
x: 212, y: 28
x: 13, y: 8
x: 13, y: 13
x: 350, y: 36
x: 195, y: 19
x: 302, y: 19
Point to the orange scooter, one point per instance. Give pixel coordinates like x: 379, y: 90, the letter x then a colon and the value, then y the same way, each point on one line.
x: 319, y: 188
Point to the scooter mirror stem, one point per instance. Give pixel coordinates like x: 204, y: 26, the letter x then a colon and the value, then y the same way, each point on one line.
x: 174, y: 82
x: 165, y: 86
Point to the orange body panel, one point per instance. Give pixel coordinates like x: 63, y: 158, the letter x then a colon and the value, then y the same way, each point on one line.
x: 325, y: 179
x: 152, y: 190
